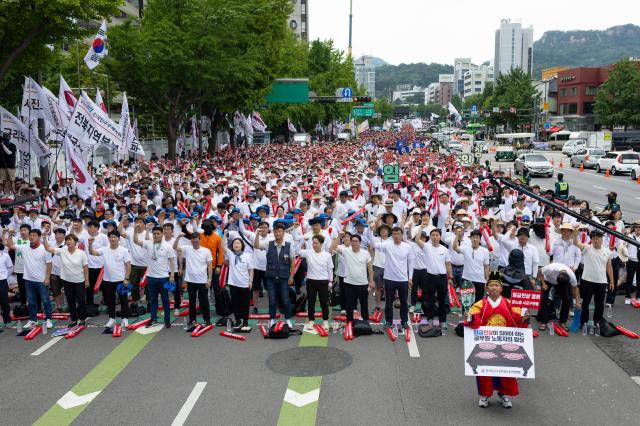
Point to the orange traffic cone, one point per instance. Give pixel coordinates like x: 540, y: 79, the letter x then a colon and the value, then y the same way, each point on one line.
x: 638, y: 180
x: 606, y: 173
x: 553, y: 162
x: 561, y: 164
x: 582, y: 167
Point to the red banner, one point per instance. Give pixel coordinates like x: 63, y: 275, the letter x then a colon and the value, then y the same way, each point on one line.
x: 529, y: 299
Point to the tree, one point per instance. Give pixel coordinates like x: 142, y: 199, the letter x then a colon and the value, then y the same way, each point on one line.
x: 27, y: 27
x: 187, y: 54
x: 383, y: 107
x: 457, y: 102
x: 514, y: 94
x: 618, y: 98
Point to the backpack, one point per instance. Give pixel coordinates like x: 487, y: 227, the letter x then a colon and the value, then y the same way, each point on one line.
x: 427, y: 330
x: 222, y: 302
x: 20, y: 311
x: 362, y: 328
x: 608, y: 329
x: 281, y: 330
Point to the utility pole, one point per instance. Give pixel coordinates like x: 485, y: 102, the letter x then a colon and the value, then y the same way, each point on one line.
x: 350, y: 23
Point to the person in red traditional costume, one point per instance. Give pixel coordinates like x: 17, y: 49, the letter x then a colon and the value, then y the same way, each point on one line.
x: 495, y: 311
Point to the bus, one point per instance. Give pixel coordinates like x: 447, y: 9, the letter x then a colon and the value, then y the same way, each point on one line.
x: 626, y: 141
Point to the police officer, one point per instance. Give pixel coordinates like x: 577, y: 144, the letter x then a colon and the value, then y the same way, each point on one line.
x: 562, y: 187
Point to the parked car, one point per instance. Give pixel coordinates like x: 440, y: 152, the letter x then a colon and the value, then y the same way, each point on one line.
x: 588, y: 157
x: 635, y: 172
x: 535, y: 164
x: 572, y: 145
x: 618, y: 162
x: 454, y: 146
x: 505, y: 153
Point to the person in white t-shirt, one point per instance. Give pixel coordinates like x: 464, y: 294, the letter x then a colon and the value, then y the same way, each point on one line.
x: 95, y: 262
x: 358, y: 274
x: 240, y: 280
x: 319, y: 280
x: 476, y: 261
x: 197, y: 273
x: 160, y: 271
x: 37, y: 268
x: 74, y: 272
x: 117, y: 270
x: 6, y: 266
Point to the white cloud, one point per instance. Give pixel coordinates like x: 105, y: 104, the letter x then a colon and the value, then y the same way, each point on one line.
x: 439, y: 31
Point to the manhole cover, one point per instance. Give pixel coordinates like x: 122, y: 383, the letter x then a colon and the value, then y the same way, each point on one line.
x: 309, y: 361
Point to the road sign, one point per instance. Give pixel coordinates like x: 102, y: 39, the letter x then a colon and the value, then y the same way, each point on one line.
x: 366, y: 104
x: 465, y: 159
x: 474, y: 109
x: 344, y: 100
x: 339, y: 92
x: 545, y: 106
x: 347, y: 92
x: 547, y: 125
x: 376, y: 115
x: 391, y: 173
x: 362, y: 112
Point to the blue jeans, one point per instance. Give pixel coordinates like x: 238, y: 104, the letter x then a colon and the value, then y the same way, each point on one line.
x: 275, y: 287
x: 155, y: 286
x: 34, y: 289
x: 456, y: 272
x: 390, y: 288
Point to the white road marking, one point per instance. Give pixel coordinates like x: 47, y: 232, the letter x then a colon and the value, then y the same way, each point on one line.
x: 189, y: 404
x: 412, y: 345
x: 301, y: 399
x: 145, y: 330
x: 636, y: 379
x: 47, y: 345
x: 71, y: 400
x: 598, y: 187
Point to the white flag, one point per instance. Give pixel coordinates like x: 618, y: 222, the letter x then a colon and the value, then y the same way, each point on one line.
x: 25, y: 139
x: 54, y: 116
x: 99, y: 100
x: 98, y: 47
x: 84, y: 182
x: 363, y: 127
x: 238, y: 123
x: 257, y: 122
x: 66, y: 99
x: 290, y: 126
x: 454, y: 111
x: 248, y: 129
x: 136, y: 148
x: 194, y: 134
x: 125, y: 127
x: 434, y: 116
x: 181, y: 141
x: 31, y: 107
x: 91, y: 126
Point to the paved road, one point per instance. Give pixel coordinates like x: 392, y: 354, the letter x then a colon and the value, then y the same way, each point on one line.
x: 580, y: 380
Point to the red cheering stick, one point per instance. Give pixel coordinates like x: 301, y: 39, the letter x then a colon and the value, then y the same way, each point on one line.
x: 305, y: 314
x: 320, y: 329
x: 200, y: 331
x: 143, y: 281
x: 407, y: 335
x: 335, y: 188
x: 630, y: 334
x: 278, y: 326
x: 535, y: 333
x: 339, y: 317
x: 547, y: 238
x: 559, y: 330
x: 223, y: 276
x: 456, y: 301
x: 378, y: 316
x: 33, y: 333
x: 391, y: 334
x: 261, y: 316
x: 264, y: 331
x: 612, y: 240
x: 184, y: 312
x: 635, y: 303
x: 75, y: 332
x: 139, y: 324
x: 98, y: 281
x: 297, y: 264
x: 232, y: 336
x: 117, y: 330
x: 60, y: 315
x: 485, y: 234
x: 350, y: 218
x: 195, y: 330
x: 419, y: 293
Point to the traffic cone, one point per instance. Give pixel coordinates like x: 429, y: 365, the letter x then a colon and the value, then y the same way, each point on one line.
x: 561, y: 164
x: 581, y: 167
x: 638, y: 180
x: 606, y: 173
x: 553, y: 163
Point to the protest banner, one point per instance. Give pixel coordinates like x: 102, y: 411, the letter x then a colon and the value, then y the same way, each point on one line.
x: 499, y: 352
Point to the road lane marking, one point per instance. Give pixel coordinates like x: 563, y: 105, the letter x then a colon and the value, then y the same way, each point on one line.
x: 71, y: 400
x: 598, y: 187
x: 411, y: 344
x: 47, y: 345
x: 636, y: 379
x: 301, y: 399
x: 189, y: 404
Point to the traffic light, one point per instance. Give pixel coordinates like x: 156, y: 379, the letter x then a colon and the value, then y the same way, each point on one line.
x: 362, y: 99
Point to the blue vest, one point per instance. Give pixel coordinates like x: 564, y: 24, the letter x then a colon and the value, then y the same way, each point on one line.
x: 278, y: 266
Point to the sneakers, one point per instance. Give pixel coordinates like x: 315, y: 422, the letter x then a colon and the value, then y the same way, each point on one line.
x: 343, y: 312
x: 30, y: 324
x: 271, y: 322
x: 608, y: 305
x: 289, y: 323
x: 49, y: 323
x: 506, y: 402
x: 167, y: 324
x: 627, y: 301
x: 237, y: 325
x: 72, y: 324
x: 484, y: 402
x: 125, y: 323
x: 404, y: 325
x: 412, y: 309
x: 325, y: 325
x: 110, y: 323
x: 309, y: 326
x: 176, y: 312
x: 151, y: 324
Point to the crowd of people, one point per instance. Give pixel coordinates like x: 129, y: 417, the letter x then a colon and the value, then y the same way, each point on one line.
x: 319, y: 219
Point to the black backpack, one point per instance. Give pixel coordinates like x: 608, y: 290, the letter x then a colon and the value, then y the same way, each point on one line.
x: 21, y: 311
x: 362, y: 328
x: 222, y: 301
x: 284, y: 332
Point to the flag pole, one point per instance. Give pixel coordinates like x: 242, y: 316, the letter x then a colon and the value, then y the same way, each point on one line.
x: 78, y: 54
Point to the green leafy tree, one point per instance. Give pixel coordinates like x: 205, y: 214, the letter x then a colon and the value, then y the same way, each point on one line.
x: 28, y: 27
x: 383, y: 107
x: 457, y: 102
x: 186, y: 54
x: 618, y: 99
x: 512, y: 92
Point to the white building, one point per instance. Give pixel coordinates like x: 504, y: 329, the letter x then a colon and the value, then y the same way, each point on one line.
x: 460, y: 67
x: 299, y: 19
x: 365, y: 74
x: 406, y: 92
x: 430, y: 93
x: 513, y: 47
x: 475, y: 80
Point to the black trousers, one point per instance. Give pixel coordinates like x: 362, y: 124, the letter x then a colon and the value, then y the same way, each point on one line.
x: 611, y: 294
x: 547, y: 306
x: 354, y: 294
x: 177, y: 293
x: 479, y: 286
x: 109, y: 292
x: 198, y: 291
x: 419, y: 283
x: 4, y: 301
x: 240, y: 302
x: 22, y: 289
x: 75, y: 294
x: 390, y: 289
x: 633, y: 269
x: 137, y: 272
x: 300, y: 273
x: 258, y: 280
x: 342, y: 294
x: 437, y: 289
x: 318, y: 288
x: 598, y: 292
x: 93, y: 277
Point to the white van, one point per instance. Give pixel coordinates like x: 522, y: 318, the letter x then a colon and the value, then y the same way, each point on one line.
x: 572, y: 145
x: 558, y: 139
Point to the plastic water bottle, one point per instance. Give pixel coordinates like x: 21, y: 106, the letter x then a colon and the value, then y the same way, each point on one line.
x: 229, y: 325
x: 596, y: 330
x: 19, y: 327
x: 44, y: 327
x: 609, y: 311
x: 443, y: 328
x: 585, y: 329
x: 591, y: 328
x: 551, y: 329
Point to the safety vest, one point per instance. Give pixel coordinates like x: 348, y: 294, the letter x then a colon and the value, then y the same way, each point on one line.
x: 563, y: 188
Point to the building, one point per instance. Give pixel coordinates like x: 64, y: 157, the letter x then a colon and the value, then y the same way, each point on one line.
x: 513, y: 47
x: 460, y: 68
x: 548, y: 73
x: 365, y: 74
x: 441, y: 92
x: 430, y: 93
x: 577, y: 88
x: 406, y: 92
x: 476, y: 79
x: 299, y: 19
